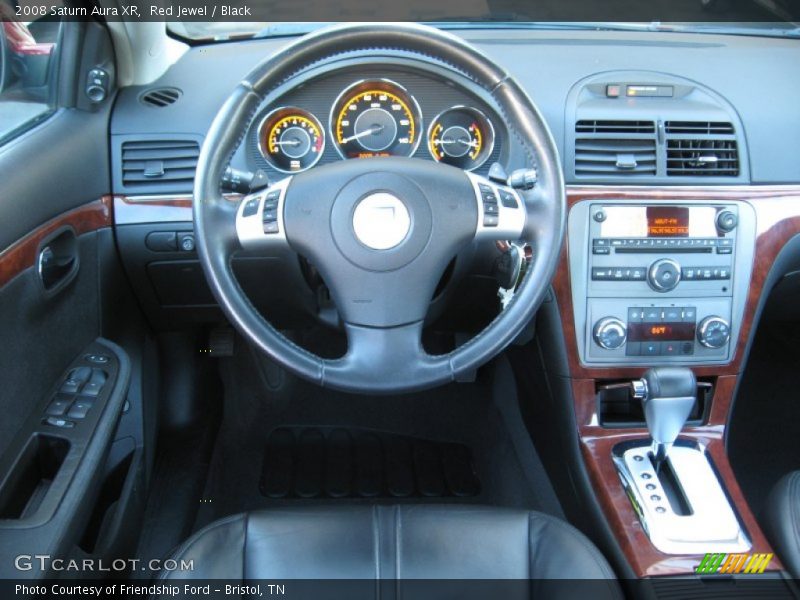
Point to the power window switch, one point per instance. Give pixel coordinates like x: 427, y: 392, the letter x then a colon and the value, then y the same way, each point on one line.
x: 95, y: 385
x: 59, y: 422
x: 80, y: 409
x: 75, y: 379
x: 58, y: 407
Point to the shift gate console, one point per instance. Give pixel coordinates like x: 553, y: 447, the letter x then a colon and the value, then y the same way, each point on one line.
x: 660, y: 282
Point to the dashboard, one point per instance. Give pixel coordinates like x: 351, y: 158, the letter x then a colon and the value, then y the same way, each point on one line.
x: 650, y: 109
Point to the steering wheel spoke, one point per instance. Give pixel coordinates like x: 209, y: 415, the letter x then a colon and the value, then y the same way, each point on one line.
x: 260, y: 224
x: 501, y: 210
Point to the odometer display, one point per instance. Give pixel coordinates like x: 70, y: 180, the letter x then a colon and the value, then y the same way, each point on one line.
x: 375, y: 118
x: 291, y: 139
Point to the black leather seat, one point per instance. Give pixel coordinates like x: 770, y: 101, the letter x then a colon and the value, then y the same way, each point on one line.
x: 781, y: 521
x: 407, y: 542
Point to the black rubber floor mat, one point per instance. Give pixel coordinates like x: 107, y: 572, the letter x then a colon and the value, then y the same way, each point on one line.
x: 306, y: 462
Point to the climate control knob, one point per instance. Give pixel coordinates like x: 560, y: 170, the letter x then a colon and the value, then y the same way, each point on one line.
x: 664, y: 274
x: 610, y: 333
x: 713, y: 332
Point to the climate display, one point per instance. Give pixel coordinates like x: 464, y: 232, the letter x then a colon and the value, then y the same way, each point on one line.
x: 651, y: 332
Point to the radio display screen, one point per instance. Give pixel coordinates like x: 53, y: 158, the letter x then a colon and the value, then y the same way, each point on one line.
x: 667, y: 221
x: 663, y: 221
x: 654, y: 332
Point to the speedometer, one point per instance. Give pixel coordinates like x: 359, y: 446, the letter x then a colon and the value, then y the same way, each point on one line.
x: 375, y: 118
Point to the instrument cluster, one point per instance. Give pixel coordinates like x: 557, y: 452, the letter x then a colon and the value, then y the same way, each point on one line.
x: 370, y: 118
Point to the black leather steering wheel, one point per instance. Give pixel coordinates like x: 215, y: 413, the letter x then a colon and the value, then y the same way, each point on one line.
x: 425, y: 211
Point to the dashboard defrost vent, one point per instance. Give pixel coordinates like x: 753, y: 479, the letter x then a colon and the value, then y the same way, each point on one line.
x: 701, y: 149
x: 615, y: 127
x: 148, y: 164
x: 160, y: 97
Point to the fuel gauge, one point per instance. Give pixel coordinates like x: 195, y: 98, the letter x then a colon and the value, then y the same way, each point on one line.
x: 291, y: 139
x: 462, y: 137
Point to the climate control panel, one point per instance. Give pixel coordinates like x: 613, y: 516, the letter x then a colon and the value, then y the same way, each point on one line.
x: 659, y: 282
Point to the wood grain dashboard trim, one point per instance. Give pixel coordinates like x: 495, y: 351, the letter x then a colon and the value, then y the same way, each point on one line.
x: 777, y: 211
x: 21, y: 255
x: 133, y: 210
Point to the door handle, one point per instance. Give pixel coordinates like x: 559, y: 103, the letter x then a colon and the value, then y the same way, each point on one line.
x: 57, y: 260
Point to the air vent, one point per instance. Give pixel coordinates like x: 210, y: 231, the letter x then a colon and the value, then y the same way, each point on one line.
x: 618, y: 157
x: 615, y: 127
x: 160, y: 97
x: 165, y: 164
x: 699, y: 127
x: 710, y: 158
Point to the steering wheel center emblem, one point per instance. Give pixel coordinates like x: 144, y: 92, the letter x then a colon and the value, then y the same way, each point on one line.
x: 381, y: 221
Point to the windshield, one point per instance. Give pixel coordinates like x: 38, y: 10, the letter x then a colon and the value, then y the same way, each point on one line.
x: 742, y: 17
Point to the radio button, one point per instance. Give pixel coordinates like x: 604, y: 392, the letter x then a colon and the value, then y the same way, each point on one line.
x: 601, y: 250
x: 689, y: 273
x: 725, y: 250
x: 600, y: 242
x: 600, y: 274
x: 664, y: 275
x: 638, y: 274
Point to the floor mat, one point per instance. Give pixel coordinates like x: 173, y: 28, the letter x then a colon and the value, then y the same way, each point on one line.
x: 316, y: 462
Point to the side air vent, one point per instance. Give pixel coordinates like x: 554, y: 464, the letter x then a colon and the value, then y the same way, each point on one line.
x: 702, y: 157
x: 699, y: 127
x: 160, y: 97
x: 615, y: 127
x: 168, y: 165
x: 614, y: 157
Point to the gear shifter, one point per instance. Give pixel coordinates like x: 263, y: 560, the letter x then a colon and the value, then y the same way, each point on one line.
x: 668, y: 395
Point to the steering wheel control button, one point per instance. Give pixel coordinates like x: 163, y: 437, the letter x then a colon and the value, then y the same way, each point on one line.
x: 664, y: 275
x: 250, y: 207
x: 381, y: 221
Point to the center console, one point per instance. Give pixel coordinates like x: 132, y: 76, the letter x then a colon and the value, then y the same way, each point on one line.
x: 659, y: 282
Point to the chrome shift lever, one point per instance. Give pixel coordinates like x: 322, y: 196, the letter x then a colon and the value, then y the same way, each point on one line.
x: 668, y: 395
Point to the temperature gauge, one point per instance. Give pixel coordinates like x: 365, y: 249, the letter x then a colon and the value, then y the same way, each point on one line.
x: 291, y: 139
x: 461, y: 136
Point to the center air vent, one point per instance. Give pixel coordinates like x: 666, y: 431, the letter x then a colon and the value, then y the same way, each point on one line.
x: 618, y: 148
x: 160, y: 97
x: 701, y: 149
x: 161, y: 165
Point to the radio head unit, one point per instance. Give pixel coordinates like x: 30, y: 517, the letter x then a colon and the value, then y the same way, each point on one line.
x: 659, y: 279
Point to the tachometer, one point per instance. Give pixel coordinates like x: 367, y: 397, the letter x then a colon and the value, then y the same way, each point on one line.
x: 291, y: 139
x: 375, y: 118
x: 461, y: 136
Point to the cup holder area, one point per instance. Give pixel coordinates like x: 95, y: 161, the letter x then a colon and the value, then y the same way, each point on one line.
x: 26, y: 486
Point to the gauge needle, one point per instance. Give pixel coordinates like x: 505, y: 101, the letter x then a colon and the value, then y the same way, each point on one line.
x: 366, y: 132
x: 472, y: 143
x: 287, y: 143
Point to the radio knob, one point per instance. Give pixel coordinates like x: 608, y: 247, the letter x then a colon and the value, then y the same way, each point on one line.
x: 610, y: 333
x: 713, y: 332
x: 727, y: 221
x: 664, y: 275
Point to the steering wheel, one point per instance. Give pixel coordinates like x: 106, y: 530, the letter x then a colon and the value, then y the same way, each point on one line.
x: 381, y: 231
